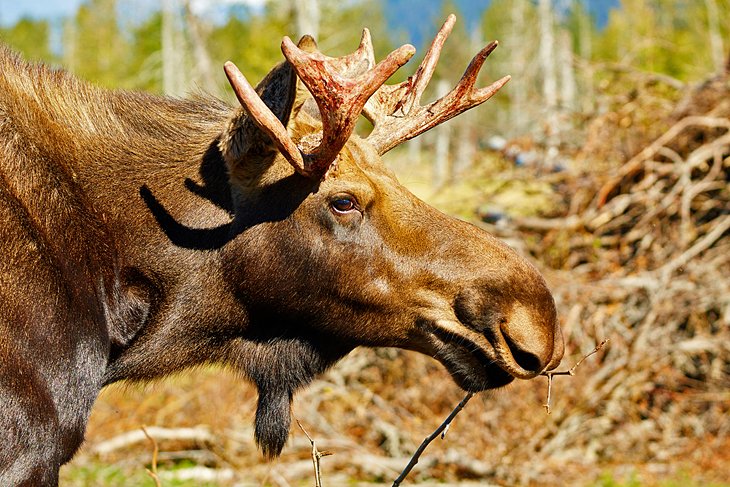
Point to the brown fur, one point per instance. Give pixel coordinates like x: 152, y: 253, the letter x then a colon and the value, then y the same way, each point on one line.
x: 142, y: 235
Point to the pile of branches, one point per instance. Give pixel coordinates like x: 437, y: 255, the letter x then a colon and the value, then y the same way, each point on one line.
x: 641, y: 255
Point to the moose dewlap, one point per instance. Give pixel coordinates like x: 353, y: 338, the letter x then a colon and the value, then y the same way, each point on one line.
x: 140, y: 235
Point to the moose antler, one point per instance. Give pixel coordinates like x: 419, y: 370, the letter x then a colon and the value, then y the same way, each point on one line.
x: 395, y: 112
x: 340, y: 86
x: 346, y: 86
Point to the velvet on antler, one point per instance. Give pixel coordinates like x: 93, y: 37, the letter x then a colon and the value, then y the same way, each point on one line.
x: 340, y: 98
x: 346, y: 86
x: 395, y: 112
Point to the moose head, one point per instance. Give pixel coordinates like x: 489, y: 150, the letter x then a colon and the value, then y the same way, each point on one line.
x: 358, y: 259
x: 155, y: 234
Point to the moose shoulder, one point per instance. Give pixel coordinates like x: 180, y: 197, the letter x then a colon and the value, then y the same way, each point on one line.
x: 141, y: 235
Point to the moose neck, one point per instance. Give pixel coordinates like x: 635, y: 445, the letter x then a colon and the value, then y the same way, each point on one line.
x: 169, y: 215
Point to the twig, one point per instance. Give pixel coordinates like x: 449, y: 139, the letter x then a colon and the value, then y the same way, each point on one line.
x: 636, y: 163
x: 152, y: 471
x: 316, y: 455
x: 721, y: 225
x: 441, y: 430
x: 570, y: 372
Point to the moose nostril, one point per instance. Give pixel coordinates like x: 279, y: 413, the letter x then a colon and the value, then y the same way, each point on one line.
x: 526, y: 360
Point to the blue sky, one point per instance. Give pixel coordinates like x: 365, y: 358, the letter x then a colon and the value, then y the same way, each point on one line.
x: 12, y: 10
x: 400, y: 12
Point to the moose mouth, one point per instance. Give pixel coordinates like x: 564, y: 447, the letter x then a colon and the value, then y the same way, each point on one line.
x: 474, y: 362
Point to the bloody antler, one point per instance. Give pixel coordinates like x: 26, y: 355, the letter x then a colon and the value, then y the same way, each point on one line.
x: 340, y: 99
x: 395, y: 112
x: 340, y: 86
x: 346, y: 86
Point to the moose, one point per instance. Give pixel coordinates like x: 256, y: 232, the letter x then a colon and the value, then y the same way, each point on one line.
x: 141, y: 235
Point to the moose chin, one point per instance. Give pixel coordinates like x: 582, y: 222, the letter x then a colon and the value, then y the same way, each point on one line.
x: 141, y: 235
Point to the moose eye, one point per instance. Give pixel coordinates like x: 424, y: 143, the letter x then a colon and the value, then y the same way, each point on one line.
x: 343, y: 204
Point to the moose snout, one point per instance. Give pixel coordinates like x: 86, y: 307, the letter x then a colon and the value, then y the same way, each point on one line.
x: 524, y: 333
x: 535, y: 343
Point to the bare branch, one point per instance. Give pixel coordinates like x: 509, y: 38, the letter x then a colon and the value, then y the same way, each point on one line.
x: 637, y: 162
x: 570, y: 372
x: 441, y: 430
x: 152, y: 471
x: 720, y: 226
x: 198, y: 434
x: 316, y: 455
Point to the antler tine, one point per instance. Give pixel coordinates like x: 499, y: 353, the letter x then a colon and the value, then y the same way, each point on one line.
x: 357, y: 62
x: 263, y: 116
x: 340, y: 99
x: 469, y: 78
x: 464, y: 96
x: 366, y: 45
x: 395, y: 110
x: 400, y: 98
x: 428, y: 65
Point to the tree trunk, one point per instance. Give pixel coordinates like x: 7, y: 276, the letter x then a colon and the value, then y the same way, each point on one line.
x: 69, y: 45
x: 415, y: 146
x: 713, y: 28
x: 549, y: 85
x: 466, y: 142
x: 567, y: 72
x: 586, y: 96
x: 306, y: 17
x: 203, y: 65
x: 519, y: 49
x: 466, y: 139
x: 443, y: 140
x: 171, y: 46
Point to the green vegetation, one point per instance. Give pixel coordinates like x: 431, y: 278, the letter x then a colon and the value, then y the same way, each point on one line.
x: 30, y: 37
x: 678, y: 40
x: 94, y: 473
x: 611, y: 479
x: 662, y: 36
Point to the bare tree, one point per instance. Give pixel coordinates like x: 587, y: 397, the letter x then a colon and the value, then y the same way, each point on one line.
x: 547, y: 61
x: 443, y: 140
x: 204, y: 73
x: 69, y: 44
x: 172, y: 57
x: 518, y: 91
x: 466, y: 140
x: 713, y: 30
x: 306, y: 17
x: 567, y: 72
x: 585, y: 52
x: 414, y: 150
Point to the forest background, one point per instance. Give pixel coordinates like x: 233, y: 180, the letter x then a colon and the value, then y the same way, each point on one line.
x: 606, y: 159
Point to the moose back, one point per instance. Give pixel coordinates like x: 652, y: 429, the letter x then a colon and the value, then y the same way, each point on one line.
x: 141, y: 235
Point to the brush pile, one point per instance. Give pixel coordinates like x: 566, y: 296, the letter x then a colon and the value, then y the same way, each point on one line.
x: 641, y: 255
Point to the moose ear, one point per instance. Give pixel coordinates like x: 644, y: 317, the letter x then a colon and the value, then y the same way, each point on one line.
x: 246, y: 148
